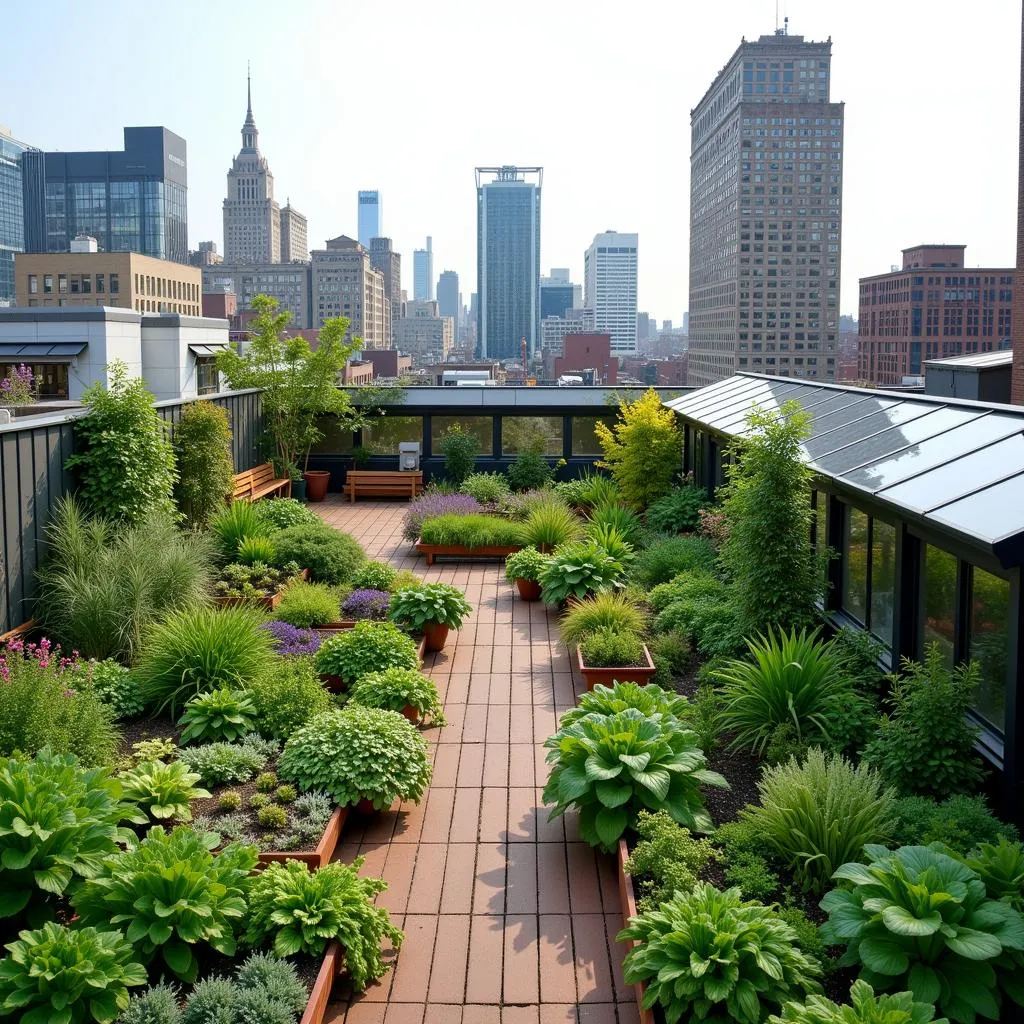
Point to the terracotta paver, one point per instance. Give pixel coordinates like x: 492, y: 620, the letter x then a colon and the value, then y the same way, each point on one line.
x: 509, y: 918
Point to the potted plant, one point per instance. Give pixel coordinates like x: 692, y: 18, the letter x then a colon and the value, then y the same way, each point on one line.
x: 367, y: 647
x: 472, y: 535
x: 523, y: 569
x: 609, y: 655
x: 576, y: 570
x: 405, y: 690
x: 430, y: 608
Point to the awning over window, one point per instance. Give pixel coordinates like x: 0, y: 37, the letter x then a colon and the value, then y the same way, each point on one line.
x: 206, y: 351
x: 41, y: 351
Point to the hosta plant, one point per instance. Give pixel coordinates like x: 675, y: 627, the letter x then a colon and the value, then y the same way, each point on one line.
x: 917, y: 919
x: 356, y: 754
x: 367, y: 647
x: 430, y: 604
x: 223, y: 714
x: 611, y: 767
x: 705, y: 955
x: 525, y: 564
x: 865, y: 1008
x: 163, y: 790
x: 300, y: 911
x: 173, y: 897
x: 576, y: 570
x: 610, y: 700
x: 396, y: 689
x: 59, y: 975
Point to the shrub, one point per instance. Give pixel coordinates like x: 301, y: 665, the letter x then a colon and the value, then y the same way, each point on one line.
x: 665, y: 559
x: 162, y: 790
x: 577, y: 570
x: 356, y: 754
x: 820, y: 814
x: 266, y: 781
x: 471, y: 531
x: 223, y: 714
x: 614, y: 515
x: 375, y: 576
x: 256, y: 551
x: 530, y: 471
x: 57, y: 975
x: 670, y: 653
x: 916, y: 919
x: 414, y: 608
x: 525, y: 564
x: 272, y: 817
x: 197, y: 650
x: 430, y: 505
x: 602, y: 611
x: 366, y: 647
x: 859, y: 654
x: 123, y: 459
x: 706, y: 955
x: 174, y: 896
x: 220, y: 763
x: 229, y: 801
x: 290, y: 641
x: 254, y: 582
x: 287, y: 696
x: 698, y: 606
x: 104, y: 585
x: 397, y: 689
x: 549, y: 524
x: 961, y: 823
x: 157, y: 1005
x: 213, y: 999
x: 485, y: 487
x: 665, y: 858
x: 206, y: 468
x: 258, y: 801
x: 926, y: 745
x: 367, y: 604
x: 330, y: 555
x: 113, y: 684
x: 866, y: 1008
x: 610, y: 648
x: 610, y: 700
x: 610, y: 767
x: 285, y: 794
x: 157, y: 749
x: 791, y: 679
x: 276, y: 977
x: 236, y: 523
x: 460, y: 449
x: 280, y: 513
x: 678, y: 511
x: 299, y: 911
x: 308, y: 604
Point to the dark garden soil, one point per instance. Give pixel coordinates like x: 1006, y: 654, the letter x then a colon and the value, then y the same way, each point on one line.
x: 134, y: 730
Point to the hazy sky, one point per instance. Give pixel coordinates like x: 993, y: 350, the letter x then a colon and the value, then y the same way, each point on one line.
x: 408, y: 96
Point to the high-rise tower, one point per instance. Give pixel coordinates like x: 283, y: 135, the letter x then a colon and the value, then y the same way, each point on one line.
x: 371, y: 221
x: 423, y: 272
x: 609, y: 281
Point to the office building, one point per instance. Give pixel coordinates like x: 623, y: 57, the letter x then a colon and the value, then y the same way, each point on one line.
x: 12, y: 216
x: 345, y: 283
x: 294, y: 236
x: 288, y: 283
x: 423, y: 333
x: 557, y: 294
x: 448, y: 301
x: 766, y: 190
x: 609, y: 287
x: 389, y: 263
x: 553, y: 329
x: 508, y: 260
x: 1017, y: 390
x: 130, y: 200
x: 205, y: 255
x: 932, y: 308
x: 423, y: 272
x: 371, y: 221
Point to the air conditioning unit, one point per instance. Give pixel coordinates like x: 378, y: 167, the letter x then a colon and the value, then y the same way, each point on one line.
x: 409, y: 456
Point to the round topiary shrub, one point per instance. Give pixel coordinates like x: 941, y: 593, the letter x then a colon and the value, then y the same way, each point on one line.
x: 330, y: 555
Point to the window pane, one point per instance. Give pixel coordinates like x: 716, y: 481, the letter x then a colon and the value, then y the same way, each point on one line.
x: 336, y: 440
x: 584, y: 440
x: 855, y: 573
x: 939, y: 599
x: 542, y: 434
x: 382, y: 435
x: 820, y: 521
x: 990, y: 614
x: 481, y: 426
x: 883, y: 579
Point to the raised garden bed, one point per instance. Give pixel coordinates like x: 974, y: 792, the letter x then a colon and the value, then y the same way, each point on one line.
x: 593, y: 675
x: 270, y: 601
x: 320, y: 996
x: 434, y: 551
x: 627, y: 900
x: 322, y: 853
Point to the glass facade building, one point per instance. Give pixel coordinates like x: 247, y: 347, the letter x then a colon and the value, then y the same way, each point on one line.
x: 12, y: 236
x: 133, y: 200
x: 370, y: 223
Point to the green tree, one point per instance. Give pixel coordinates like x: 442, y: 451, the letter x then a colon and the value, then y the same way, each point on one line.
x: 202, y: 443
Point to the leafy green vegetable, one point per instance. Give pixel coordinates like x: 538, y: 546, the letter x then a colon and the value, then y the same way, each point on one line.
x: 223, y: 714
x: 163, y: 790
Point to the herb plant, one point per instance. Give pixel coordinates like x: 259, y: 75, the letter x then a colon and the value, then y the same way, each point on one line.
x: 396, y: 689
x: 162, y: 790
x: 666, y: 858
x: 430, y: 604
x: 367, y: 647
x: 611, y: 648
x: 577, y: 570
x: 432, y: 504
x: 375, y: 576
x: 287, y: 696
x: 471, y: 531
x: 223, y: 714
x: 292, y: 641
x: 366, y: 604
x: 220, y: 763
x: 485, y: 487
x: 525, y: 564
x: 602, y: 611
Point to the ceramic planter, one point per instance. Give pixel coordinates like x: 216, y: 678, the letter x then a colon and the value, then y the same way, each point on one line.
x: 412, y: 714
x: 435, y: 636
x: 529, y: 590
x: 432, y: 551
x: 317, y: 481
x: 320, y: 995
x: 592, y: 675
x: 627, y: 900
x: 324, y: 850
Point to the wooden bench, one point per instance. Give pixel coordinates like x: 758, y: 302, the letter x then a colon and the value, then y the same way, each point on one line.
x: 257, y: 483
x: 383, y: 483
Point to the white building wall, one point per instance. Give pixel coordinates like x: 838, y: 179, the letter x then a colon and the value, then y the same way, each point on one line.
x: 610, y: 280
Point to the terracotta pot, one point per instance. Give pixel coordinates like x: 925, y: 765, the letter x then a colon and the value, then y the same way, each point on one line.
x: 333, y: 683
x: 411, y: 713
x: 317, y: 481
x: 436, y: 635
x: 529, y: 590
x: 366, y: 806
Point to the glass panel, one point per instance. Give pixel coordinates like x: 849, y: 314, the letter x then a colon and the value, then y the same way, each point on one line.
x: 855, y: 568
x: 383, y: 434
x: 699, y: 463
x: 990, y: 514
x: 336, y: 441
x: 584, y: 440
x: 768, y: 399
x: 990, y: 643
x: 481, y: 426
x: 707, y: 397
x: 883, y: 579
x: 820, y: 521
x: 831, y: 434
x: 542, y: 434
x: 939, y: 599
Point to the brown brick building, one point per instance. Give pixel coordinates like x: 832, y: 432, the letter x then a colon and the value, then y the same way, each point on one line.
x: 588, y: 352
x: 933, y: 308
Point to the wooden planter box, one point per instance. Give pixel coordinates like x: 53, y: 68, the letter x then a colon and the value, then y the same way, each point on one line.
x: 627, y: 899
x: 271, y: 601
x: 320, y: 996
x: 433, y: 551
x: 623, y: 674
x: 318, y: 857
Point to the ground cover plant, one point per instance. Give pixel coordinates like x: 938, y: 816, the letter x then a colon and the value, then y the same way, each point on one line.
x: 308, y: 604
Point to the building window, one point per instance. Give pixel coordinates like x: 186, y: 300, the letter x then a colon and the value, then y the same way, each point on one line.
x: 480, y: 426
x: 47, y: 283
x: 584, y: 436
x: 50, y: 378
x: 207, y: 378
x: 939, y: 585
x: 62, y: 283
x: 383, y: 435
x: 115, y: 287
x: 883, y: 579
x: 33, y: 284
x: 542, y: 434
x: 989, y: 642
x: 100, y: 282
x: 855, y: 565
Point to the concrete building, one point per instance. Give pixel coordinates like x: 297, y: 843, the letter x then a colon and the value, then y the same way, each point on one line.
x: 294, y: 236
x: 371, y: 220
x: 220, y: 304
x: 388, y: 363
x: 609, y: 287
x: 766, y: 190
x: 557, y: 294
x: 423, y: 272
x: 130, y: 200
x: 12, y: 214
x: 344, y: 283
x: 289, y: 283
x: 424, y: 334
x: 448, y: 299
x: 587, y: 352
x: 205, y: 256
x: 508, y: 260
x: 555, y: 328
x: 389, y: 263
x: 932, y: 308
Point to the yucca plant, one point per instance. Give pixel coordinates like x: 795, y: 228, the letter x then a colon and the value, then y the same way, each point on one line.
x: 607, y: 610
x: 621, y: 517
x: 648, y: 699
x: 550, y: 524
x: 234, y: 524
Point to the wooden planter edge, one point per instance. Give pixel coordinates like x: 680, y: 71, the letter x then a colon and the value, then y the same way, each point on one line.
x: 627, y: 900
x: 318, y: 857
x: 320, y: 994
x: 432, y: 551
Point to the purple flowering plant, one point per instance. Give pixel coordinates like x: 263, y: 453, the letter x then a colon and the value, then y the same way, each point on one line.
x: 18, y: 387
x: 437, y: 505
x: 366, y: 604
x: 289, y: 639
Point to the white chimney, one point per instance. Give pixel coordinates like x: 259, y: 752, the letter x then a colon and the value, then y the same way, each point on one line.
x: 84, y: 243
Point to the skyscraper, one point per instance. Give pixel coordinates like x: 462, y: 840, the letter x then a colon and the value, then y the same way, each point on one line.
x: 448, y: 297
x: 12, y: 218
x: 557, y: 294
x: 344, y: 283
x: 294, y: 236
x: 371, y: 221
x: 389, y: 263
x: 423, y: 272
x: 609, y: 288
x: 508, y: 260
x: 766, y: 164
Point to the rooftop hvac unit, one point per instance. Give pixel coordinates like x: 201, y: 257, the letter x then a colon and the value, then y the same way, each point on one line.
x: 409, y: 456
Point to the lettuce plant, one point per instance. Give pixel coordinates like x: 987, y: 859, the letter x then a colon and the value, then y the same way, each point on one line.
x: 163, y: 789
x: 609, y: 700
x: 396, y: 689
x: 223, y: 714
x: 865, y: 1008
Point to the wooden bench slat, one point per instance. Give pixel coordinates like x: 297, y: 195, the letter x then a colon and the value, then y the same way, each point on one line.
x: 383, y: 483
x: 260, y: 481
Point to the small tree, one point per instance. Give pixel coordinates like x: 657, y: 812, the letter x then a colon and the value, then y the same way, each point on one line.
x: 124, y: 461
x: 202, y: 442
x: 775, y: 573
x: 643, y: 449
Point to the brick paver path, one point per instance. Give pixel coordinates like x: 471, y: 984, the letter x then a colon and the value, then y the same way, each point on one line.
x: 509, y: 919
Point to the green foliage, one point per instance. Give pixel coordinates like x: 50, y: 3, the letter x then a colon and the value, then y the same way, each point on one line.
x: 775, y: 573
x: 287, y: 696
x: 395, y: 689
x: 223, y: 714
x: 280, y: 513
x: 157, y: 749
x: 229, y: 801
x: 670, y: 653
x: 256, y: 551
x: 259, y: 800
x: 277, y: 977
x: 859, y: 654
x: 576, y: 570
x: 611, y: 541
x: 643, y: 450
x: 104, y: 585
x: 211, y: 1001
x: 961, y: 823
x: 221, y: 763
x: 57, y: 975
x: 375, y: 576
x: 300, y: 911
x: 330, y: 555
x: 525, y: 564
x: 530, y: 471
x: 926, y: 746
x: 1001, y: 868
x: 850, y: 723
x: 460, y: 449
x: 611, y: 767
x: 272, y: 817
x: 597, y: 489
x: 57, y: 823
x: 665, y: 859
x: 791, y: 678
x: 473, y: 530
x: 206, y: 468
x: 615, y: 515
x: 173, y: 896
x: 308, y: 604
x: 549, y: 524
x: 113, y: 684
x: 236, y: 523
x: 367, y: 647
x: 197, y: 650
x: 678, y: 510
x: 865, y: 1008
x: 162, y: 790
x: 485, y: 487
x: 254, y: 582
x: 612, y: 648
x: 697, y: 604
x: 665, y: 559
x: 818, y: 815
x: 157, y: 1005
x: 610, y: 700
x: 123, y: 459
x: 916, y: 919
x: 441, y: 603
x: 285, y: 794
x: 705, y: 955
x: 704, y: 717
x: 605, y: 610
x: 359, y: 753
x: 266, y: 781
x: 745, y: 867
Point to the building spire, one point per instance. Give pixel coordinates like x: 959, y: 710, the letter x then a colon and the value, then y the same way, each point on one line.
x: 249, y: 132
